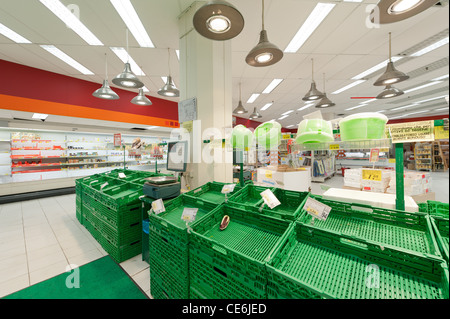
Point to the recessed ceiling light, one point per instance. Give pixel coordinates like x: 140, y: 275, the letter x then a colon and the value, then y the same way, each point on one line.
x: 288, y: 112
x: 431, y: 99
x: 441, y: 109
x: 67, y: 59
x: 375, y: 68
x: 290, y: 126
x: 440, y: 78
x: 122, y: 54
x: 128, y: 14
x: 319, y: 13
x: 272, y: 86
x: 39, y: 116
x: 355, y: 107
x: 13, y: 36
x: 66, y: 16
x: 404, y: 107
x: 265, y: 107
x: 306, y: 106
x: 431, y: 47
x: 423, y: 86
x: 423, y: 111
x: 253, y: 98
x: 348, y: 86
x: 283, y: 117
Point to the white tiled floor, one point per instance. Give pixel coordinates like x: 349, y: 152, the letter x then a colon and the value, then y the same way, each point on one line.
x: 40, y: 238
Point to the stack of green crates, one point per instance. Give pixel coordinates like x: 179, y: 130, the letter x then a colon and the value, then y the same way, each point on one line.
x: 230, y: 263
x: 169, y: 247
x: 441, y: 231
x: 109, y: 207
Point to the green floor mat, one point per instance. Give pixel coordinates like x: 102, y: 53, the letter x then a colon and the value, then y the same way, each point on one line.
x: 100, y: 279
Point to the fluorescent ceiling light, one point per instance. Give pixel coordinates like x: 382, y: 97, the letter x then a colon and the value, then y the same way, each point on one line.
x: 290, y: 126
x: 312, y: 22
x: 253, y: 98
x: 305, y: 107
x: 368, y: 101
x: 13, y: 36
x: 66, y: 16
x: 123, y: 55
x: 353, y: 0
x: 265, y: 107
x: 40, y: 116
x: 178, y: 54
x: 355, y: 107
x: 382, y: 111
x: 67, y: 59
x: 126, y: 11
x: 431, y: 47
x: 288, y: 112
x: 440, y: 78
x: 422, y: 86
x: 283, y: 117
x: 151, y: 127
x: 404, y: 107
x: 441, y: 109
x: 431, y: 99
x: 376, y: 68
x: 272, y: 86
x: 423, y: 111
x: 348, y: 86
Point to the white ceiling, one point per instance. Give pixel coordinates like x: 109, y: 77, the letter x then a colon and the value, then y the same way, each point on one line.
x: 342, y: 47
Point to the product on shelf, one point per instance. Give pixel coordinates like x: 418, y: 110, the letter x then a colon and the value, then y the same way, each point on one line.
x: 363, y: 126
x: 314, y: 131
x: 268, y: 135
x: 241, y: 137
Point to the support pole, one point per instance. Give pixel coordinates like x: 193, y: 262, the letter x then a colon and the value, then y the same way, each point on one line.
x: 399, y: 179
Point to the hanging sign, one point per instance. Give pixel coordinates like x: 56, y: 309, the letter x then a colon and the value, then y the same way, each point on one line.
x: 411, y: 132
x: 117, y: 139
x: 374, y: 155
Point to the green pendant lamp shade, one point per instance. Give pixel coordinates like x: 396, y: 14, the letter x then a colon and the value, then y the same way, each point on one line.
x: 169, y: 89
x: 325, y: 101
x: 389, y: 92
x: 390, y: 11
x: 240, y: 109
x: 264, y: 53
x: 313, y: 94
x: 391, y: 75
x: 141, y: 99
x: 218, y: 20
x: 105, y: 92
x: 127, y: 79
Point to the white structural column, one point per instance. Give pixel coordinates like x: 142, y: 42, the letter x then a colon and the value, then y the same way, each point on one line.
x: 205, y: 74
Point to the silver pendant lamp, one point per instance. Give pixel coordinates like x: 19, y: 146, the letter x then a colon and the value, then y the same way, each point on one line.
x: 389, y: 11
x: 255, y: 114
x: 127, y: 79
x: 391, y: 75
x: 141, y: 99
x: 389, y: 92
x: 240, y: 109
x: 105, y: 92
x: 218, y: 20
x: 324, y: 102
x: 313, y: 94
x: 264, y: 53
x: 169, y: 89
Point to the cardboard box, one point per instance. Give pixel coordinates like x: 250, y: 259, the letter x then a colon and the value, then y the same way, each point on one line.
x: 298, y: 180
x: 422, y: 198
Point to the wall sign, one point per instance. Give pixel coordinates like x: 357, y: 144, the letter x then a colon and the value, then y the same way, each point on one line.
x: 411, y: 132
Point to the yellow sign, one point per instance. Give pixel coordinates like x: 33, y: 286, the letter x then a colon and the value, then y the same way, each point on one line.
x: 268, y: 174
x: 391, y: 160
x: 384, y: 150
x: 411, y: 132
x: 334, y: 146
x: 371, y: 174
x: 440, y: 133
x: 286, y: 136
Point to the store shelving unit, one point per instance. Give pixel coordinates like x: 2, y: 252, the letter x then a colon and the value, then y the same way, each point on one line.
x: 423, y: 156
x: 439, y: 162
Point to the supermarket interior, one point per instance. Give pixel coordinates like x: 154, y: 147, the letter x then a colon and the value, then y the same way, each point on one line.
x: 258, y: 149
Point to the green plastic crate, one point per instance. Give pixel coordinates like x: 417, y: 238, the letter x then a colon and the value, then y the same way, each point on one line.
x: 123, y: 252
x: 441, y: 230
x: 172, y: 284
x: 122, y: 194
x: 211, y: 192
x: 404, y: 230
x: 314, y: 263
x: 423, y: 207
x: 249, y: 195
x: 291, y: 204
x: 438, y: 209
x: 236, y: 256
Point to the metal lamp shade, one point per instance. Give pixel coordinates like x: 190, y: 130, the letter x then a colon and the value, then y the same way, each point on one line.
x: 385, y: 12
x: 127, y: 78
x: 169, y: 89
x: 218, y: 10
x: 141, y: 99
x: 105, y: 92
x: 389, y: 92
x: 255, y: 114
x: 264, y: 47
x: 313, y: 93
x: 325, y: 102
x: 391, y: 76
x: 240, y: 109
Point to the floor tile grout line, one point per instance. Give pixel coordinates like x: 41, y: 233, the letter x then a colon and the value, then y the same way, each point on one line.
x: 25, y: 243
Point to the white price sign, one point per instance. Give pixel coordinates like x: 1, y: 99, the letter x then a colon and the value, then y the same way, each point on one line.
x: 158, y: 206
x: 228, y: 188
x: 122, y: 175
x: 189, y: 214
x: 103, y: 186
x: 317, y: 209
x: 270, y: 199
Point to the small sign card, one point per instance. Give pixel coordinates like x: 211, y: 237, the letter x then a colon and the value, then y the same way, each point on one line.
x: 270, y: 199
x: 317, y: 209
x: 101, y: 187
x: 228, y: 188
x: 158, y: 206
x: 122, y: 175
x: 189, y: 214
